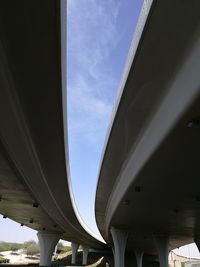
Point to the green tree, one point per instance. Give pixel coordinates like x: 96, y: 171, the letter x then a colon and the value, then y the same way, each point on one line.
x: 60, y: 247
x: 5, y: 246
x: 31, y: 247
x: 32, y: 250
x: 15, y: 246
x: 29, y: 243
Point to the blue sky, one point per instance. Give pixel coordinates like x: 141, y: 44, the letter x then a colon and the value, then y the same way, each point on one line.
x: 99, y: 36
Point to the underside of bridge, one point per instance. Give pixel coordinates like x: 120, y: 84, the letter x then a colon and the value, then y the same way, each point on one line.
x: 34, y: 178
x: 149, y: 182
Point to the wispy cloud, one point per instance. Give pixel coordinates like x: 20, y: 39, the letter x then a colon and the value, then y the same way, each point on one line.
x: 92, y: 36
x: 92, y: 32
x: 89, y: 114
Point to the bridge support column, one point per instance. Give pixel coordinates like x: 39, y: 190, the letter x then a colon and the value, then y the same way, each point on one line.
x: 162, y: 244
x: 74, y: 252
x: 197, y: 241
x: 139, y: 257
x: 119, y: 239
x: 85, y: 255
x: 47, y: 243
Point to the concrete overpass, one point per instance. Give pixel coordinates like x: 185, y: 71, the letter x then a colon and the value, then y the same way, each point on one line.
x: 35, y: 188
x: 148, y: 197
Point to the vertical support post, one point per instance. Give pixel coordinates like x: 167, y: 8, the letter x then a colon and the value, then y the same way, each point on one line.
x: 197, y: 241
x: 139, y: 256
x: 119, y: 238
x: 47, y: 243
x: 74, y: 247
x: 162, y: 244
x: 85, y: 254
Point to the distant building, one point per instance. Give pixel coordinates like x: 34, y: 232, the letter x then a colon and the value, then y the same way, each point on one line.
x: 180, y: 261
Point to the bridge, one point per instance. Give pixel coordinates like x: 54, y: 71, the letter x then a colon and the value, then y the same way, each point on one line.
x: 147, y: 199
x: 35, y: 187
x: 149, y: 175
